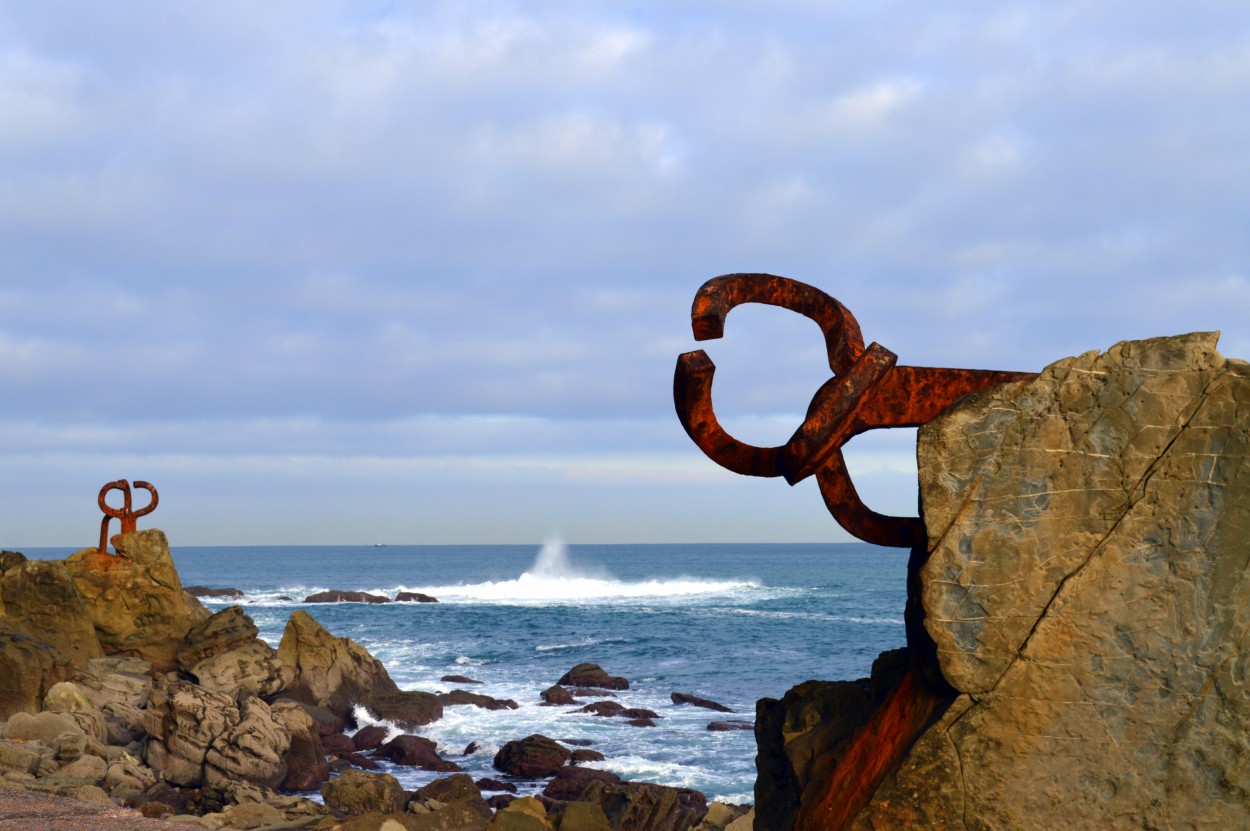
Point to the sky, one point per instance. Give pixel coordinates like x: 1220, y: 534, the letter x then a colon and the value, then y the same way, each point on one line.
x: 358, y: 272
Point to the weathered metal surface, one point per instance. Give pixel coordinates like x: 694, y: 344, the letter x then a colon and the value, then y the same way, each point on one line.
x: 126, y: 515
x: 868, y: 391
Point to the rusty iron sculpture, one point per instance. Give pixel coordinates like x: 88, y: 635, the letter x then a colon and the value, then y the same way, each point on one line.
x: 126, y: 514
x: 868, y: 391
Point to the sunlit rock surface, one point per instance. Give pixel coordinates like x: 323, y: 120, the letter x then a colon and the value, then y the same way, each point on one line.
x: 1087, y: 592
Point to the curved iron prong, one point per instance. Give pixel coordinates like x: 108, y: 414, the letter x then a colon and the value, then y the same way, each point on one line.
x: 692, y: 393
x: 151, y: 505
x: 852, y: 514
x: 716, y: 297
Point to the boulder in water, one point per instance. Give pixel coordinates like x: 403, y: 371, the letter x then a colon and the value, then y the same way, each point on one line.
x: 407, y: 709
x: 414, y: 597
x: 205, y: 591
x: 556, y: 695
x: 695, y: 701
x: 341, y: 596
x: 592, y: 675
x: 533, y: 757
x: 462, y: 697
x: 415, y: 751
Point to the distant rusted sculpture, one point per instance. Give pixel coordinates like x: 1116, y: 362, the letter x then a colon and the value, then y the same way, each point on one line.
x: 125, y: 514
x: 867, y: 392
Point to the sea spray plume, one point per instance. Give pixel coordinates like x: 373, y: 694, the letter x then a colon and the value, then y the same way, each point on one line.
x: 552, y: 563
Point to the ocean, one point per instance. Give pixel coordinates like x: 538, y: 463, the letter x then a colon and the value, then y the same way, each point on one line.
x: 733, y: 623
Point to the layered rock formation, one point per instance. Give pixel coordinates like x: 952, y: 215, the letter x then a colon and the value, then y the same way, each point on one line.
x: 1086, y: 595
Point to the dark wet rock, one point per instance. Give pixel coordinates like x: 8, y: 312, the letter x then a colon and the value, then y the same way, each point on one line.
x: 604, y: 708
x: 415, y: 751
x: 569, y: 782
x: 288, y: 599
x: 367, y: 738
x: 582, y: 755
x: 555, y: 696
x: 592, y: 675
x: 533, y: 757
x: 695, y: 701
x: 408, y: 709
x: 461, y: 697
x: 590, y: 692
x: 731, y: 724
x: 488, y: 784
x: 474, y: 747
x: 500, y: 801
x: 640, y: 722
x: 577, y: 742
x: 205, y: 591
x: 639, y: 712
x: 360, y: 760
x: 414, y: 597
x: 338, y: 745
x: 458, y: 679
x: 340, y: 596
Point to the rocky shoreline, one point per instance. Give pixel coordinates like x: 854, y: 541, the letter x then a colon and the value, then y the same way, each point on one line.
x: 118, y: 687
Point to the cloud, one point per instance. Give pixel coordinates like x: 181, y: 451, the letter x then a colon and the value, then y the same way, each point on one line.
x: 348, y: 231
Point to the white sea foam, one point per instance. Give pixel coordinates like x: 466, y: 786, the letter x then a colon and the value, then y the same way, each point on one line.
x: 553, y: 578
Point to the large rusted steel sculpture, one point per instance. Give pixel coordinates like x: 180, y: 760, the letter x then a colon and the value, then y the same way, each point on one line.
x: 126, y: 514
x: 868, y: 391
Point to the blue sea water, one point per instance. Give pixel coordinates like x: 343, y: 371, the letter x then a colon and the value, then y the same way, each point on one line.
x: 733, y: 623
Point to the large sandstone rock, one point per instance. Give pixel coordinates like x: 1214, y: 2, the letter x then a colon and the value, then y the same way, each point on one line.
x: 198, y: 737
x: 253, y: 749
x: 29, y: 668
x: 134, y: 599
x: 305, y: 759
x: 183, y: 721
x: 227, y: 629
x: 41, y: 599
x: 1089, y: 595
x: 329, y: 672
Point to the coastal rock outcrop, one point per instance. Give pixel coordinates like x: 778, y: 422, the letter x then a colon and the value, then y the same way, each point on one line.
x: 223, y: 653
x: 1088, y: 592
x: 40, y: 599
x: 29, y: 667
x: 134, y: 599
x: 330, y: 672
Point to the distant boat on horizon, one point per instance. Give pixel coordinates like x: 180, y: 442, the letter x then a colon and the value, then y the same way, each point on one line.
x: 379, y: 545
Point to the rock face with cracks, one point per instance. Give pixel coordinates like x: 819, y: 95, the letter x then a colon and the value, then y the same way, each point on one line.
x: 1087, y: 590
